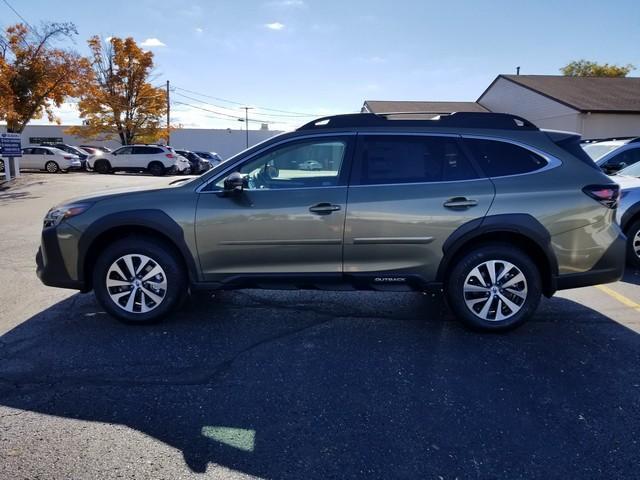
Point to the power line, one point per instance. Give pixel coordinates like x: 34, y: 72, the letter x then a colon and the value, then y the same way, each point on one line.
x: 227, y: 108
x: 221, y: 115
x: 242, y: 104
x: 18, y: 14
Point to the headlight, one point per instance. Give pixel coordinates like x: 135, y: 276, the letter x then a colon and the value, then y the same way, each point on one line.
x: 58, y: 214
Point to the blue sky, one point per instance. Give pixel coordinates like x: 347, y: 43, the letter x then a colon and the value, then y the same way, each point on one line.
x: 328, y: 56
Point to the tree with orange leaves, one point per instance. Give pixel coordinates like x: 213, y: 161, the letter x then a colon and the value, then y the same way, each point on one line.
x: 119, y: 100
x: 35, y: 76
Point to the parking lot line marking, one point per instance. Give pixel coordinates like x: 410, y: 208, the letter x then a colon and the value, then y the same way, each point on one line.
x: 619, y: 297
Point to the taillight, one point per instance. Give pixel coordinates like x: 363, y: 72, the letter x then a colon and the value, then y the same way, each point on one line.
x: 170, y: 155
x: 607, y: 195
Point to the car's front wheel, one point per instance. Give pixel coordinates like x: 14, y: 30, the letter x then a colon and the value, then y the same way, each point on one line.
x: 495, y: 287
x: 138, y: 280
x: 633, y: 245
x: 102, y: 166
x: 156, y: 169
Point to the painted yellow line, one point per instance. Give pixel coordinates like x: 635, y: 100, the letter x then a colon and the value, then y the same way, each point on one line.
x: 619, y: 297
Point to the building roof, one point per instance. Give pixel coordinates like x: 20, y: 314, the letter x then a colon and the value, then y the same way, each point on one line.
x: 585, y: 94
x: 435, y: 108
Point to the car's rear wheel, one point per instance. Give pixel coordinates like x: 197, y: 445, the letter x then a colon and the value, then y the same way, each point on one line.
x: 138, y: 280
x: 495, y: 287
x: 102, y: 166
x: 633, y: 245
x: 51, y: 167
x: 156, y: 169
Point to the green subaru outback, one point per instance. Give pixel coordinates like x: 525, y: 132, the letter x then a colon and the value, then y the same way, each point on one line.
x: 484, y: 207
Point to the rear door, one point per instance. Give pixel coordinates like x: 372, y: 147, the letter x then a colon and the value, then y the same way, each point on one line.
x: 408, y: 193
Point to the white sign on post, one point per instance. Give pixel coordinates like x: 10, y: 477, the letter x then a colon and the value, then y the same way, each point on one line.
x: 10, y: 149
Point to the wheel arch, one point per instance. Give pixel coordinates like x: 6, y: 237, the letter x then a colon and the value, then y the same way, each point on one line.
x: 150, y: 223
x: 520, y: 230
x: 630, y: 216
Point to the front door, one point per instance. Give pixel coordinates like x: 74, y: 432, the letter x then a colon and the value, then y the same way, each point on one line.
x: 286, y: 220
x: 408, y: 194
x: 122, y: 157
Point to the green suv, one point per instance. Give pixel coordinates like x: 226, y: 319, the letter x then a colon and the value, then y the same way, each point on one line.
x: 484, y: 207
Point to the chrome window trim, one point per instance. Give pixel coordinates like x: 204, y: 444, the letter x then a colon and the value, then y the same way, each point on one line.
x: 267, y: 147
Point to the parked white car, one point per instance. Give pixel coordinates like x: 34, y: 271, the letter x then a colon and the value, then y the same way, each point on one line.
x: 156, y: 159
x: 50, y: 159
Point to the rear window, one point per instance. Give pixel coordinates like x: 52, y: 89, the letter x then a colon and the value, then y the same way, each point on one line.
x: 411, y: 159
x: 498, y: 159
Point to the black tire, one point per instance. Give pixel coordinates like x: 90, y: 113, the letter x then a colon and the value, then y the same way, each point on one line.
x: 161, y: 254
x: 156, y: 169
x: 501, y: 252
x: 51, y: 167
x: 633, y: 242
x: 102, y: 166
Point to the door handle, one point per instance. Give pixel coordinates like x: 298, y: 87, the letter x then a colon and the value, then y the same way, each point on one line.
x: 460, y: 202
x: 324, y: 208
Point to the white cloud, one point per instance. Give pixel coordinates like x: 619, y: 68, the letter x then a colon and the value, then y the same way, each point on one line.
x: 108, y: 39
x: 274, y: 26
x: 152, y: 42
x: 286, y: 3
x: 199, y: 30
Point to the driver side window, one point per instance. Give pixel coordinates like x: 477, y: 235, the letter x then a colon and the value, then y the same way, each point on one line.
x: 308, y: 164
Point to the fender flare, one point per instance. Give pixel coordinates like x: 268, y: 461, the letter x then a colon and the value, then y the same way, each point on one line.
x: 151, y: 219
x: 518, y: 223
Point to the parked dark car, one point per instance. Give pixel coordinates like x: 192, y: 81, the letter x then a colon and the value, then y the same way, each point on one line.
x: 94, y: 149
x: 198, y: 164
x: 213, y: 157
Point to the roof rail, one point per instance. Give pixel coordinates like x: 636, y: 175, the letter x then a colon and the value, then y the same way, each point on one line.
x: 504, y: 121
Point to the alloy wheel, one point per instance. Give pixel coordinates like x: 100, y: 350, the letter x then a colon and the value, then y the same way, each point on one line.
x: 495, y: 290
x: 136, y: 283
x: 636, y: 243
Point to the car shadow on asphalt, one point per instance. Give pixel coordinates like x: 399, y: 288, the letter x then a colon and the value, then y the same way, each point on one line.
x: 342, y: 385
x: 631, y: 275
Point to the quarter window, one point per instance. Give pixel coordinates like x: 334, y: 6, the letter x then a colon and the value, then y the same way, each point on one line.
x: 307, y: 164
x: 498, y: 159
x: 411, y: 159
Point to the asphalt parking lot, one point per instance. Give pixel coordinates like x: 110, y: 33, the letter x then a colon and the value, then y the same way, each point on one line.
x: 304, y: 384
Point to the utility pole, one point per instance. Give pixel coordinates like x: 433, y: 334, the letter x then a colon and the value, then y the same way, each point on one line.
x: 168, y: 116
x: 246, y: 124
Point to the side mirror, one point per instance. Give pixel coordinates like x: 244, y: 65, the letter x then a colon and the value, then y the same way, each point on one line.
x: 234, y: 182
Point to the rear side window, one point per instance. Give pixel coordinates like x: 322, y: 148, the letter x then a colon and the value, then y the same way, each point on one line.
x: 146, y: 150
x: 498, y: 159
x: 410, y: 159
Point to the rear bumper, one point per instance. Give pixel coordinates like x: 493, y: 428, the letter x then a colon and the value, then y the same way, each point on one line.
x: 609, y: 268
x: 50, y: 266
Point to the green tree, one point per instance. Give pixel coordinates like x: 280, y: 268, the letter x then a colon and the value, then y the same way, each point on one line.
x: 585, y: 68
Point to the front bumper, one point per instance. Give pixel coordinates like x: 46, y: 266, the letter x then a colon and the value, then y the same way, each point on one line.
x: 609, y: 268
x: 50, y: 266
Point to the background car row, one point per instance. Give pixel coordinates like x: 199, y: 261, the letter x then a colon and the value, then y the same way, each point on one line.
x: 620, y: 158
x: 154, y: 159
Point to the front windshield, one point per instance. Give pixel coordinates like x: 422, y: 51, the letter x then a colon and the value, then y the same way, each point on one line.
x: 598, y: 150
x: 631, y: 170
